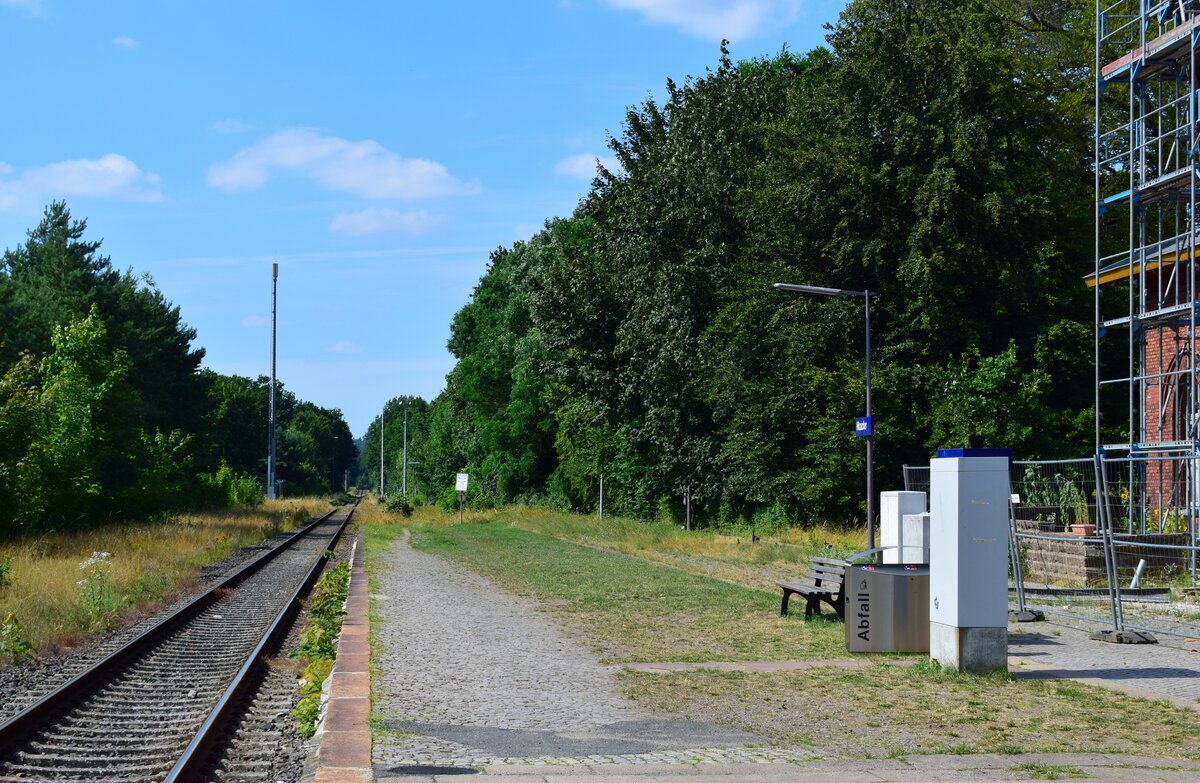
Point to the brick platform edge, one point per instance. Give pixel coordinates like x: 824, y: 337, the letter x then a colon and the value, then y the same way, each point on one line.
x: 344, y: 752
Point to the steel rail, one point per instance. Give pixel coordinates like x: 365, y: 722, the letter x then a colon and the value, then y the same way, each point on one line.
x: 193, y: 758
x: 29, y: 719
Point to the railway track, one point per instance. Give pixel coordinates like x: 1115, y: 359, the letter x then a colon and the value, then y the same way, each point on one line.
x: 153, y: 709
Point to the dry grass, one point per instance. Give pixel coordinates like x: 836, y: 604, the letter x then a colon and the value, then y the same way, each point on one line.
x: 149, y: 563
x: 897, y: 710
x: 730, y: 558
x: 629, y: 609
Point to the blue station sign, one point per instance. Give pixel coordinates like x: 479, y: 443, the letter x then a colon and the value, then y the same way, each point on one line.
x: 864, y: 426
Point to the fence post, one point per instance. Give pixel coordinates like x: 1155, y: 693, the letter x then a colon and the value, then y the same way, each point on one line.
x: 1014, y: 555
x: 1105, y: 527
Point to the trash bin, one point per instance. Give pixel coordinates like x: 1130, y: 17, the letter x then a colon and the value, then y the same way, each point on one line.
x: 887, y: 608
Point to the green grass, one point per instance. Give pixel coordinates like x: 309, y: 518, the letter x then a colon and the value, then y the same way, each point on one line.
x: 728, y: 556
x: 634, y: 610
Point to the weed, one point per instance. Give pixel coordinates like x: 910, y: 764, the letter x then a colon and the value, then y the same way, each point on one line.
x: 14, y: 647
x: 1049, y: 771
x: 5, y: 571
x: 97, y: 597
x: 319, y: 639
x: 318, y: 643
x: 308, y: 708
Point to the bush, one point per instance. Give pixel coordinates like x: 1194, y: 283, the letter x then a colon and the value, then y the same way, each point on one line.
x: 226, y: 488
x: 398, y: 504
x: 476, y: 499
x: 13, y: 644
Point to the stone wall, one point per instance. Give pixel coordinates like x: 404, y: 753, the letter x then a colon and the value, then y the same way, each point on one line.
x: 1068, y: 560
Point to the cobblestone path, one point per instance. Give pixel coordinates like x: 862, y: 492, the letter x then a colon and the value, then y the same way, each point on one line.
x: 1170, y: 670
x: 470, y: 675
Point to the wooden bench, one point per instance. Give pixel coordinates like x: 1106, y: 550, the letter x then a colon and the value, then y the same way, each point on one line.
x: 825, y: 582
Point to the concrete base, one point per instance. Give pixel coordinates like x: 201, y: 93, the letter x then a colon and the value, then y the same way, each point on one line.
x: 972, y: 650
x: 1124, y: 637
x: 1026, y: 615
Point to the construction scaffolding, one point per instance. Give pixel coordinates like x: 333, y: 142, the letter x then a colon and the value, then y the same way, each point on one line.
x: 1147, y: 178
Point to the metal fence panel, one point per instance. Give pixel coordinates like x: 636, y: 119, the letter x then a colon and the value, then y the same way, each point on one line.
x: 1060, y: 567
x: 1109, y: 541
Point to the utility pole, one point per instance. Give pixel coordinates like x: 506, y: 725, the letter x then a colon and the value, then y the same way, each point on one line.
x: 602, y: 496
x: 271, y: 436
x: 404, y: 470
x: 381, y: 413
x: 332, y: 463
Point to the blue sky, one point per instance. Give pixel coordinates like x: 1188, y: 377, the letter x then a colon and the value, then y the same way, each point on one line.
x: 376, y: 150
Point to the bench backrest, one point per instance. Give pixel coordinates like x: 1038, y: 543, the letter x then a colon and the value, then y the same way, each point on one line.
x: 828, y: 570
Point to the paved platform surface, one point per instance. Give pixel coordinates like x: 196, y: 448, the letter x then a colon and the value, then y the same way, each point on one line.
x: 472, y: 676
x: 1168, y: 671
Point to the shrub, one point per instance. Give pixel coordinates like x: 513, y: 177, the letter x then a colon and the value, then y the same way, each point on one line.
x: 398, y: 504
x: 13, y: 644
x: 5, y: 571
x: 227, y: 488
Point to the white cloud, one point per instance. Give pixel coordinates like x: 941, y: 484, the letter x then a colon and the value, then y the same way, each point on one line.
x: 715, y: 19
x: 255, y: 321
x: 583, y: 165
x: 377, y: 220
x: 5, y: 169
x: 125, y: 42
x: 344, y: 346
x: 112, y: 176
x: 231, y: 125
x: 31, y: 7
x: 364, y: 168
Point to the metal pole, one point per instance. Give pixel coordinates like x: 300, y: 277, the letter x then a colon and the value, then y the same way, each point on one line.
x: 381, y: 493
x: 1096, y: 239
x: 602, y: 496
x: 332, y: 464
x: 871, y: 437
x: 271, y: 428
x: 866, y: 295
x: 404, y: 470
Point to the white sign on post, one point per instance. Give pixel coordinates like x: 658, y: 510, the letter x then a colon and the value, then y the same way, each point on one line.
x: 460, y: 482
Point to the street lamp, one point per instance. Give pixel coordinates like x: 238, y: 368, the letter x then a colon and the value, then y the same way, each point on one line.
x: 864, y: 428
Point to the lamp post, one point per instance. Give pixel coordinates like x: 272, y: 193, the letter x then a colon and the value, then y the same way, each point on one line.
x: 381, y: 414
x: 870, y: 423
x: 404, y: 469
